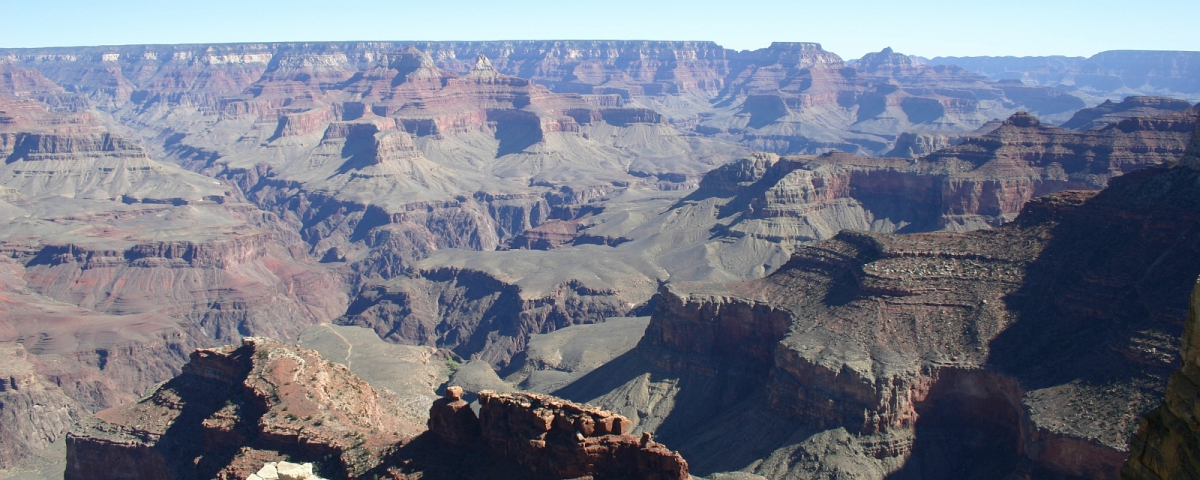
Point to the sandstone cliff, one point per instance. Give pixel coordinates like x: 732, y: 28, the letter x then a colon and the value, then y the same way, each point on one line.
x: 1111, y: 112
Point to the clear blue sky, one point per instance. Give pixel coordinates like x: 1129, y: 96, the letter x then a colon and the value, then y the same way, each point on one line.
x: 849, y: 28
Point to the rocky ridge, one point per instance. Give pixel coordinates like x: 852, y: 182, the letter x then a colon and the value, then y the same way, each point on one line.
x: 554, y: 437
x: 1109, y: 75
x: 260, y: 402
x: 1029, y: 349
x: 1111, y: 112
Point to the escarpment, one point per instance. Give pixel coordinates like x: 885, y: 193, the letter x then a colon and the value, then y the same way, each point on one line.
x: 983, y: 181
x: 1022, y: 348
x: 553, y: 437
x: 115, y: 265
x: 1165, y: 445
x: 476, y: 314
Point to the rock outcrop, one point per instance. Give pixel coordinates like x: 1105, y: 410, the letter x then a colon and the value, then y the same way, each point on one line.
x: 983, y: 181
x: 1165, y: 446
x: 1031, y: 348
x: 285, y: 471
x: 554, y: 437
x: 235, y: 408
x: 114, y: 265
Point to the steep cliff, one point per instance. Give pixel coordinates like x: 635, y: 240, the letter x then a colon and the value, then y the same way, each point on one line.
x: 1165, y: 445
x: 235, y: 408
x: 554, y: 437
x: 1027, y: 349
x: 801, y: 99
x: 983, y: 181
x: 1111, y: 112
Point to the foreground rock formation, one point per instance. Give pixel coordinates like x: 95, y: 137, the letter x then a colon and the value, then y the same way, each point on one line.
x: 235, y: 408
x: 285, y: 471
x: 1166, y: 446
x: 554, y: 437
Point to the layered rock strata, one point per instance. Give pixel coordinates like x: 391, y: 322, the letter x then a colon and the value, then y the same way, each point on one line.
x: 114, y: 265
x: 984, y: 181
x: 554, y: 437
x: 1042, y: 340
x: 235, y: 408
x: 1111, y: 112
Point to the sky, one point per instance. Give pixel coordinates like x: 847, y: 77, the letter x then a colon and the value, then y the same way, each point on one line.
x: 849, y: 28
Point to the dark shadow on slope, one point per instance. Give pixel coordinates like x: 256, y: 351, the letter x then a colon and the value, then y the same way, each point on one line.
x: 428, y: 458
x: 517, y: 134
x: 1117, y: 271
x: 764, y: 109
x: 182, y: 443
x: 969, y: 428
x: 701, y: 399
x: 359, y: 152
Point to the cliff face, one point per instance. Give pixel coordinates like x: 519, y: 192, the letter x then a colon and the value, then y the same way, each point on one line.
x: 1165, y: 445
x: 798, y: 98
x: 554, y: 437
x: 474, y: 313
x: 1041, y: 340
x: 234, y: 409
x: 1111, y: 112
x: 115, y: 265
x: 983, y: 181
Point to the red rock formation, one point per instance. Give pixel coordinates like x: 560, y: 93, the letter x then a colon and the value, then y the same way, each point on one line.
x: 116, y: 264
x: 555, y: 437
x: 232, y: 409
x: 451, y: 419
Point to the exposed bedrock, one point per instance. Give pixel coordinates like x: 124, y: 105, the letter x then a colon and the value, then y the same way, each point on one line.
x: 983, y: 181
x: 1165, y: 446
x: 473, y: 313
x: 554, y: 437
x: 1111, y: 112
x: 235, y: 408
x: 1027, y: 349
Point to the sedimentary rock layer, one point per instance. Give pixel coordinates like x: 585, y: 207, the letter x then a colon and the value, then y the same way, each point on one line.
x: 233, y: 409
x: 554, y: 437
x: 1048, y: 336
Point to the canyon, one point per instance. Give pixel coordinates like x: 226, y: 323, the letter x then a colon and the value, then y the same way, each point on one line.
x: 834, y: 262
